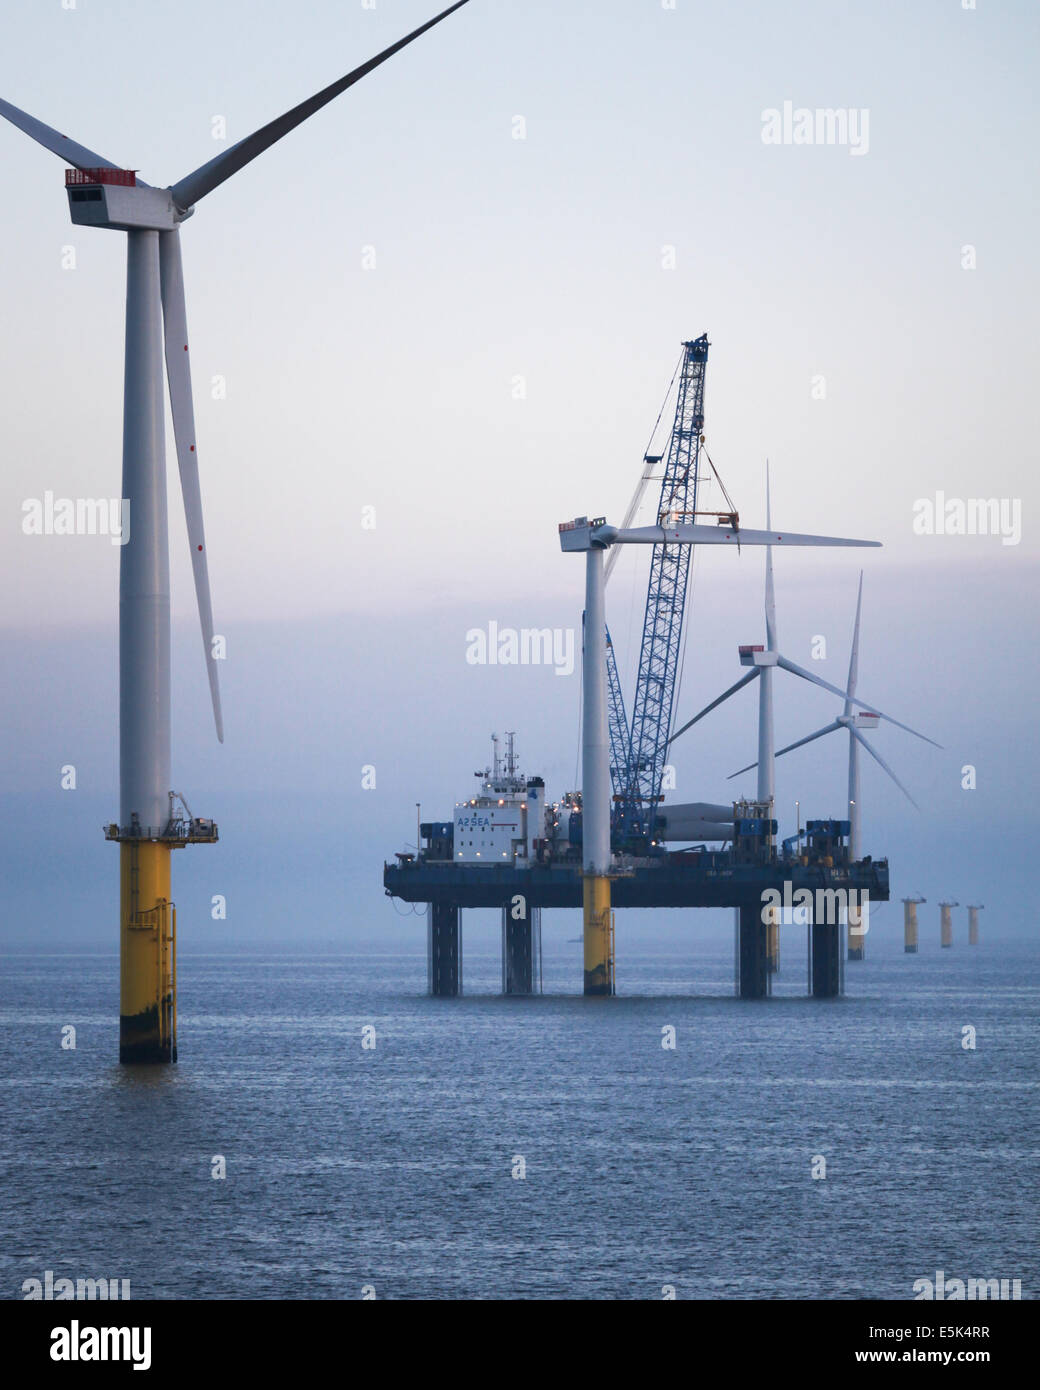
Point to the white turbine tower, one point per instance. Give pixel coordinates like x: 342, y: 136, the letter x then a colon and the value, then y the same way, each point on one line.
x: 103, y: 195
x: 594, y: 537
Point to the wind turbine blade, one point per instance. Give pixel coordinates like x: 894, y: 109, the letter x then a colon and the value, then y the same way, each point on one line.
x: 786, y: 665
x: 687, y: 534
x: 850, y: 689
x: 770, y: 596
x: 633, y: 507
x: 178, y: 371
x: 872, y: 709
x: 749, y: 767
x: 769, y: 512
x: 809, y: 738
x: 879, y: 759
x: 76, y: 155
x: 211, y: 175
x: 818, y: 734
x: 751, y: 675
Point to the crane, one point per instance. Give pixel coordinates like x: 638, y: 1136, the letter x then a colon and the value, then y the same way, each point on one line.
x: 617, y: 724
x: 639, y: 749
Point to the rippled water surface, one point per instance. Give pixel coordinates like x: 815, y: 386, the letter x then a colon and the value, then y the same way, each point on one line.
x: 393, y: 1167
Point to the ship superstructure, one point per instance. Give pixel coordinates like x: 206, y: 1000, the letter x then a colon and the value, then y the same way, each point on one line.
x: 505, y: 821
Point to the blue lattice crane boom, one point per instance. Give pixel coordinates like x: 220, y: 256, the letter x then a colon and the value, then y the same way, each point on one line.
x: 665, y: 607
x: 617, y: 719
x: 617, y: 725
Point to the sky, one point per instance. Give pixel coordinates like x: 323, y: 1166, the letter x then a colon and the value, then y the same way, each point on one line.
x: 450, y: 305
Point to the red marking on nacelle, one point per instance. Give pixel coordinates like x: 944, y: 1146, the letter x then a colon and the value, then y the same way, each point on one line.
x: 193, y: 448
x: 126, y: 177
x: 200, y: 547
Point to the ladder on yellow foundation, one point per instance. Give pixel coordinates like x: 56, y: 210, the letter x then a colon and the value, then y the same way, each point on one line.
x: 162, y: 919
x: 610, y: 954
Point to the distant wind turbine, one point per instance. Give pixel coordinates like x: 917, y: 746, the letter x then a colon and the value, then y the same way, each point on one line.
x: 851, y: 719
x: 103, y: 195
x: 855, y: 723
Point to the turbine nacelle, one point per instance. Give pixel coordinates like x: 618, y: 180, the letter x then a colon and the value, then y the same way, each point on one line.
x: 757, y: 656
x: 858, y: 721
x: 583, y: 534
x: 115, y: 199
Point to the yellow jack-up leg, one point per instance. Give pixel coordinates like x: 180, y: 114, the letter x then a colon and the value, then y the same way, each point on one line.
x: 598, y: 935
x: 773, y: 939
x: 855, y: 937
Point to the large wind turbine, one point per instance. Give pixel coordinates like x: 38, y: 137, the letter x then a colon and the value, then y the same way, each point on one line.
x: 103, y: 195
x: 594, y: 537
